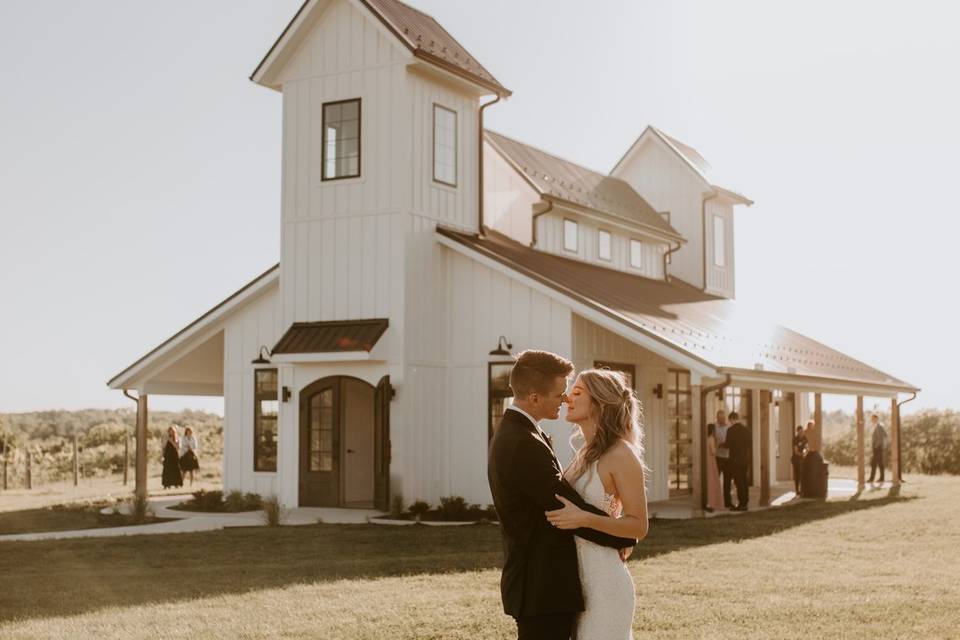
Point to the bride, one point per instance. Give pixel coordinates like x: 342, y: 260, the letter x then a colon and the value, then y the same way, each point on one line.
x: 608, y: 471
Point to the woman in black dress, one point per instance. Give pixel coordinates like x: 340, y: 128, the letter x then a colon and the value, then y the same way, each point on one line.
x: 799, y: 451
x: 172, y: 477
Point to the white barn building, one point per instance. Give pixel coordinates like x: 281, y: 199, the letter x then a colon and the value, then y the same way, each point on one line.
x: 360, y: 367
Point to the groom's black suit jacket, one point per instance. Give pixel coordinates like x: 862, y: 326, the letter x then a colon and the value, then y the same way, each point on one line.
x: 540, y: 573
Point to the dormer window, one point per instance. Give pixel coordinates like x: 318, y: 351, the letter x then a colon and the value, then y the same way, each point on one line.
x: 603, y: 245
x: 341, y: 139
x: 570, y: 235
x: 719, y: 242
x: 636, y: 254
x: 444, y: 145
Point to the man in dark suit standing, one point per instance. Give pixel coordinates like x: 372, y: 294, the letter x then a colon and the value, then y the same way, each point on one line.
x: 740, y: 446
x: 540, y: 583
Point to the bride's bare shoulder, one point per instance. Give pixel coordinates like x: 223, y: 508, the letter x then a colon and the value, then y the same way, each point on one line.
x: 623, y: 453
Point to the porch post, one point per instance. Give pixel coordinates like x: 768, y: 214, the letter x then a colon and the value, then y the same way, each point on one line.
x: 817, y: 422
x: 697, y: 448
x: 895, y: 441
x: 861, y: 470
x: 140, y: 489
x: 765, y: 399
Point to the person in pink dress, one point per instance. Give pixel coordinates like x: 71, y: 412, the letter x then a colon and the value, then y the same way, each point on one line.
x: 714, y: 499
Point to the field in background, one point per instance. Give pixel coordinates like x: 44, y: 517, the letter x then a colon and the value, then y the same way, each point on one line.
x: 880, y: 566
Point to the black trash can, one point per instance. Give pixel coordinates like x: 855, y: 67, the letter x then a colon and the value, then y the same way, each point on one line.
x: 816, y: 473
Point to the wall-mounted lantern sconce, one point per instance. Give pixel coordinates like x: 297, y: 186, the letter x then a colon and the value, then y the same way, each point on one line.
x: 285, y: 393
x: 260, y: 358
x: 658, y: 391
x: 500, y: 350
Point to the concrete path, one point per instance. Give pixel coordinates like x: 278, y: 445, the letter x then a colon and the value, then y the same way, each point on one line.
x: 188, y: 521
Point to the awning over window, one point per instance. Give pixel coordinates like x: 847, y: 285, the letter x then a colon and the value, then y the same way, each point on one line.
x: 331, y: 336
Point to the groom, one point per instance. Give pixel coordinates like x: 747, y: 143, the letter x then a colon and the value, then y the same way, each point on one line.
x: 540, y: 584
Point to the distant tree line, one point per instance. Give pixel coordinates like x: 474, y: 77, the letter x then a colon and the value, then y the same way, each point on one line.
x: 47, y: 438
x: 930, y: 442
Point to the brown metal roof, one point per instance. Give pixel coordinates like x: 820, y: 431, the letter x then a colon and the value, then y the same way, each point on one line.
x: 428, y: 40
x: 715, y: 331
x: 561, y: 179
x: 423, y: 36
x: 331, y: 336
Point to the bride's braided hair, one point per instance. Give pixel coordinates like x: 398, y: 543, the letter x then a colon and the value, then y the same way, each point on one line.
x: 618, y: 414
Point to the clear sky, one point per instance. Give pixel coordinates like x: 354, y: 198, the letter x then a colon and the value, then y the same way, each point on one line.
x: 140, y: 168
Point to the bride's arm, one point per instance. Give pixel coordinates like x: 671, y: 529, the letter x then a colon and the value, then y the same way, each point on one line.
x: 627, y: 472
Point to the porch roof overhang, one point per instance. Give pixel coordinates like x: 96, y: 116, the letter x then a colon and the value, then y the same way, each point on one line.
x: 709, y: 335
x: 191, y: 361
x: 330, y: 341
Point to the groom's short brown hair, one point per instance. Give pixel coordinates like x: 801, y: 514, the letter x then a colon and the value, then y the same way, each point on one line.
x: 535, y: 371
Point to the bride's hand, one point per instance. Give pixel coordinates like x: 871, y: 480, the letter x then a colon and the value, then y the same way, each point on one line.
x: 569, y: 517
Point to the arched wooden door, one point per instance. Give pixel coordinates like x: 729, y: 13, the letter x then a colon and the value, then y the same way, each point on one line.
x: 344, y: 443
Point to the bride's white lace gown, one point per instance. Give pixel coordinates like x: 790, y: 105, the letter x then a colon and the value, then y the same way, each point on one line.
x: 608, y: 591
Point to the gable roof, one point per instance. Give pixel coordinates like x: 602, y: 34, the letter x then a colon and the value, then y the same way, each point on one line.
x: 691, y: 157
x: 717, y: 332
x: 423, y: 36
x: 555, y: 178
x: 201, y: 324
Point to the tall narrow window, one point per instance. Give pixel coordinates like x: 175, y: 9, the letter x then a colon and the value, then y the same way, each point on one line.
x: 679, y: 429
x: 341, y: 139
x: 444, y: 145
x: 570, y: 235
x: 603, y: 244
x: 719, y: 242
x: 636, y: 254
x: 265, y: 406
x: 499, y: 394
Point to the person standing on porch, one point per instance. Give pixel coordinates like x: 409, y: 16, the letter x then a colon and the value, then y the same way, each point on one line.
x: 188, y: 454
x: 800, y: 446
x: 723, y: 455
x: 879, y: 442
x: 172, y: 477
x: 739, y: 444
x: 714, y: 499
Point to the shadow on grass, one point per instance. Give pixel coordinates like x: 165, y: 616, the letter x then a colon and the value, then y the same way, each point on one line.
x: 67, y: 577
x: 667, y: 536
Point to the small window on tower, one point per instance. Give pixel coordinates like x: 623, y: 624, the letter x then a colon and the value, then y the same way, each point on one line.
x: 341, y: 139
x: 444, y: 145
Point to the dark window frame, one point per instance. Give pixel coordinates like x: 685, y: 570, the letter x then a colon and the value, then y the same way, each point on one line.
x: 674, y: 470
x: 258, y: 397
x: 323, y: 149
x: 491, y: 397
x: 456, y: 146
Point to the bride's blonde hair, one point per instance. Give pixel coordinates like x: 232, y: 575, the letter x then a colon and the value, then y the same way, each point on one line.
x: 618, y: 414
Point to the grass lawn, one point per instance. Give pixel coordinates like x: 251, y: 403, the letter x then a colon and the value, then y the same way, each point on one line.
x: 879, y: 566
x: 65, y: 518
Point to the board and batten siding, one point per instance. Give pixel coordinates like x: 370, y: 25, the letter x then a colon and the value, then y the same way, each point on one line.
x: 590, y: 343
x: 720, y: 279
x: 550, y: 240
x: 256, y: 324
x: 452, y: 206
x: 668, y: 184
x: 508, y: 199
x: 482, y: 305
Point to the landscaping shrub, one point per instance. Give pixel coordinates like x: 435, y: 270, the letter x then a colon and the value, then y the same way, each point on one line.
x: 273, y: 513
